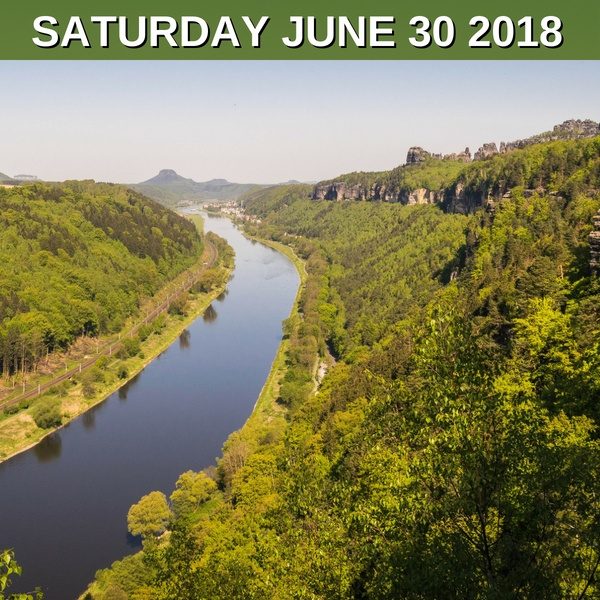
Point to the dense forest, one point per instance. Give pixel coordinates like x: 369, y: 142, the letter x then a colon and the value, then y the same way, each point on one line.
x: 75, y: 259
x: 452, y: 449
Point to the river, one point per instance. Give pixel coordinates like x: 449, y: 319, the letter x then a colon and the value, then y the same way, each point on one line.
x: 63, y: 504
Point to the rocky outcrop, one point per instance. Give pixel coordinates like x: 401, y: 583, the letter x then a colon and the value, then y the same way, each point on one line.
x: 417, y: 155
x: 594, y: 239
x: 573, y: 129
x: 340, y: 190
x: 464, y: 156
x: 486, y: 151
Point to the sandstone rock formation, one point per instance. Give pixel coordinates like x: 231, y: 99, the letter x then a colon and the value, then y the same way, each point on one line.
x: 379, y: 187
x: 573, y: 129
x: 487, y: 150
x: 340, y: 190
x: 416, y: 155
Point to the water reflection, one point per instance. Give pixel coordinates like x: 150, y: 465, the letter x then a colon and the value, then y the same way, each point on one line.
x: 210, y: 314
x: 133, y: 541
x: 185, y: 339
x: 126, y: 388
x: 221, y: 297
x: 89, y: 419
x: 49, y: 448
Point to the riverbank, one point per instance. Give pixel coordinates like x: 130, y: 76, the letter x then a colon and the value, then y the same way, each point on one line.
x: 75, y: 396
x: 266, y: 407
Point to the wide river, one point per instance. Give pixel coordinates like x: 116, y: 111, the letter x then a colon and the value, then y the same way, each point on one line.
x: 63, y: 504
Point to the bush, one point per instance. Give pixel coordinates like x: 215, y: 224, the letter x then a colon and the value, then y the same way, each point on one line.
x: 144, y: 331
x: 178, y: 305
x: 12, y: 410
x: 62, y: 389
x: 123, y: 373
x: 102, y: 362
x: 47, y: 414
x: 159, y: 323
x: 96, y: 374
x: 89, y: 379
x: 131, y: 347
x: 88, y: 388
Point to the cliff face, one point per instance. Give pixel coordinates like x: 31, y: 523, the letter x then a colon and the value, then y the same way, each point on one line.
x: 339, y: 190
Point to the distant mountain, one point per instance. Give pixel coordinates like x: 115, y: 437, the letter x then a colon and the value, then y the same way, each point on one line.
x: 17, y: 178
x: 23, y: 177
x: 171, y: 189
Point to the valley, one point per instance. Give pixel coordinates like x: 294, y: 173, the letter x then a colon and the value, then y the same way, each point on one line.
x: 400, y: 382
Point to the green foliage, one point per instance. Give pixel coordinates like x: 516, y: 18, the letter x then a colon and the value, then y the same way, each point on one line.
x: 177, y: 307
x: 191, y: 491
x: 150, y: 516
x: 8, y: 569
x: 452, y: 452
x: 76, y: 259
x: 131, y: 346
x: 433, y: 174
x: 47, y: 413
x: 379, y: 260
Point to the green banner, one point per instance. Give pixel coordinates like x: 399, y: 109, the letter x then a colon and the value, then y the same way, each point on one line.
x: 185, y: 29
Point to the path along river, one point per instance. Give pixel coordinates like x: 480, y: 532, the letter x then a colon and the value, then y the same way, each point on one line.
x: 63, y: 504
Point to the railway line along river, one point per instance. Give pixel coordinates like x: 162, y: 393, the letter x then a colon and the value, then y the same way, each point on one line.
x: 63, y: 504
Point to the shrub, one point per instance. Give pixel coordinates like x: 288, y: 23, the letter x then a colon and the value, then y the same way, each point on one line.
x: 47, y: 414
x: 62, y: 389
x: 102, y: 362
x: 144, y: 331
x: 159, y: 323
x: 88, y: 388
x: 123, y: 373
x: 12, y: 410
x: 178, y: 305
x: 131, y: 347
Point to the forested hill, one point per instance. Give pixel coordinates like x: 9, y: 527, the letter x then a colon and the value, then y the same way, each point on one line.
x: 462, y: 185
x: 172, y: 189
x: 76, y: 258
x: 451, y: 451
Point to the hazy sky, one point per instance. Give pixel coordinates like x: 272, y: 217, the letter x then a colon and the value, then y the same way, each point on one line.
x: 271, y: 121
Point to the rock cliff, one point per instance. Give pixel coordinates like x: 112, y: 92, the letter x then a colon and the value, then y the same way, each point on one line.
x: 340, y: 190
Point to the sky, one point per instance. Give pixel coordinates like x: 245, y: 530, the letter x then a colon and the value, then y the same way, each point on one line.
x: 268, y: 122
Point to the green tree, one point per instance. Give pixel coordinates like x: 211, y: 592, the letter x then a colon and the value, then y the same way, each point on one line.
x: 191, y: 491
x: 150, y: 516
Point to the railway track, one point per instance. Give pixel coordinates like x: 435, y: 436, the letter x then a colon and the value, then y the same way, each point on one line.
x: 209, y: 258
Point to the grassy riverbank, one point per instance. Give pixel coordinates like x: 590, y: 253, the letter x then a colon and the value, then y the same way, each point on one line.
x: 266, y: 407
x: 24, y: 426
